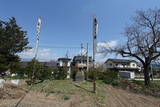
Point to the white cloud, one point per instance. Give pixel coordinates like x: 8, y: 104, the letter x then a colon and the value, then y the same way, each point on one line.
x: 101, y: 46
x: 44, y: 54
x: 107, y: 44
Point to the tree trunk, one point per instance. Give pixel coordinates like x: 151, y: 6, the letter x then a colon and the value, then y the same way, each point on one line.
x: 146, y: 75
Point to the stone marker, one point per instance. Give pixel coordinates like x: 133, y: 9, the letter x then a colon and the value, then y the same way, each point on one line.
x: 2, y: 81
x: 15, y: 82
x: 80, y: 76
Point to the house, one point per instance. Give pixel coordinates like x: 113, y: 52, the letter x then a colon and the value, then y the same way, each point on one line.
x: 121, y: 65
x: 65, y: 62
x: 80, y: 62
x: 155, y: 66
x: 51, y: 64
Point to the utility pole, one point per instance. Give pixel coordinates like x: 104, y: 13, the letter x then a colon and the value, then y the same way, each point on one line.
x: 81, y: 51
x: 95, y: 28
x: 82, y: 65
x: 87, y: 63
x: 81, y: 58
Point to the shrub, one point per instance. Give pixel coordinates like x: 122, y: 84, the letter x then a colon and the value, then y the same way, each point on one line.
x: 40, y: 72
x: 60, y: 73
x: 65, y: 97
x: 115, y: 83
x: 141, y: 83
x: 92, y: 73
x: 74, y: 71
x: 109, y: 77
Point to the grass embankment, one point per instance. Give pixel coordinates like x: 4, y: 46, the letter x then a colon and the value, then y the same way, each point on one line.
x: 138, y: 86
x: 67, y: 89
x: 153, y: 89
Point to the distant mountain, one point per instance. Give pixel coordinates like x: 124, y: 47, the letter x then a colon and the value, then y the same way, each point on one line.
x: 26, y: 59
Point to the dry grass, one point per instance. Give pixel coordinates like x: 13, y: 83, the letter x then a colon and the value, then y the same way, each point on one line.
x: 64, y: 93
x: 11, y: 92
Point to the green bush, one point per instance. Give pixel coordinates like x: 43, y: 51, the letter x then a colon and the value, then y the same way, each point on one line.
x: 92, y: 73
x: 95, y: 73
x: 60, y: 73
x: 74, y: 71
x: 39, y: 71
x: 65, y: 97
x: 107, y: 77
x: 15, y: 77
x: 141, y: 83
x: 115, y: 82
x: 110, y: 77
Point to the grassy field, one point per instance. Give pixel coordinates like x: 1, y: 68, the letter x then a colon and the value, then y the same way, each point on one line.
x: 66, y: 89
x: 66, y: 93
x: 81, y: 95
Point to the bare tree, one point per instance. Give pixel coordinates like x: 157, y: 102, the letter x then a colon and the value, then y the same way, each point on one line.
x: 143, y: 39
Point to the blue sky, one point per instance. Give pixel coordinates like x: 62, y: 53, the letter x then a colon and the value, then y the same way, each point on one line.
x: 68, y: 23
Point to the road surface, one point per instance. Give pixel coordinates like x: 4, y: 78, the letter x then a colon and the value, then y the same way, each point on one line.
x: 121, y: 98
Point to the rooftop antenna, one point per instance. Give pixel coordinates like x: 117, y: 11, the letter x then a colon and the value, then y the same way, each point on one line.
x: 67, y: 54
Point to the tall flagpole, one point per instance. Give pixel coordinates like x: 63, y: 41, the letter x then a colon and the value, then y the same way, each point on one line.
x: 36, y: 52
x: 38, y: 28
x: 38, y: 35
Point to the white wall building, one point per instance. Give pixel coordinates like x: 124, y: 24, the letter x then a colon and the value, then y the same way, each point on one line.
x: 65, y: 62
x: 121, y: 64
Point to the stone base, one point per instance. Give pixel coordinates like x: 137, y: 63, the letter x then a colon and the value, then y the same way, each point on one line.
x: 80, y: 76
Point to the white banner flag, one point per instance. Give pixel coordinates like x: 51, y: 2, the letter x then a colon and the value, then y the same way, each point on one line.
x: 38, y: 27
x: 37, y: 36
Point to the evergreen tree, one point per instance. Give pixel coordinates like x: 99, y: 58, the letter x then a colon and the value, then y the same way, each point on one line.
x: 13, y: 40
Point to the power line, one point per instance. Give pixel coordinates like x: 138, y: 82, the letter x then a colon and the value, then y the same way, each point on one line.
x: 62, y: 47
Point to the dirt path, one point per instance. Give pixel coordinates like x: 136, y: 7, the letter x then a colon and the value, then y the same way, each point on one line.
x: 121, y: 98
x: 36, y: 99
x: 113, y: 98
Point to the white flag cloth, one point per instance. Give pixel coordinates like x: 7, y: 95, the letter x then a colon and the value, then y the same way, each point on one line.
x: 37, y: 36
x: 38, y: 27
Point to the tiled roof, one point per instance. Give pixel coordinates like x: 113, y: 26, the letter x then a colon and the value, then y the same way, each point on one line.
x: 66, y: 59
x: 120, y: 60
x: 78, y: 58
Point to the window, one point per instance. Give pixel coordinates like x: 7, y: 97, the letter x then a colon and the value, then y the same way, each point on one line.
x: 110, y: 64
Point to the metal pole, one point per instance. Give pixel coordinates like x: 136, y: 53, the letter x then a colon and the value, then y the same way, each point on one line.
x: 81, y: 56
x: 81, y: 52
x: 82, y: 73
x: 87, y: 63
x: 94, y: 35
